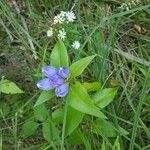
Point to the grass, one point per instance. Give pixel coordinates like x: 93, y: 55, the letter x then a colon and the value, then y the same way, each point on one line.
x: 122, y: 62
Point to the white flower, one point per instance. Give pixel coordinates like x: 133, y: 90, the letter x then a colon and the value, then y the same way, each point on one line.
x: 76, y: 45
x: 50, y: 32
x: 60, y: 18
x: 70, y: 16
x: 62, y: 34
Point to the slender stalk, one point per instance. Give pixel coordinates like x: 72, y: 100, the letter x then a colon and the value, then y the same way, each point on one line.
x: 64, y: 123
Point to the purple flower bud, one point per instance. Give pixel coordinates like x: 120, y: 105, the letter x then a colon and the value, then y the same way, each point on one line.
x: 49, y: 71
x: 63, y: 72
x: 45, y: 84
x: 62, y: 90
x: 56, y: 80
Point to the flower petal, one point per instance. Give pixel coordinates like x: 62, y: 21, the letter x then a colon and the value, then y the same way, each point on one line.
x: 62, y: 90
x: 49, y: 71
x: 63, y: 72
x: 45, y: 84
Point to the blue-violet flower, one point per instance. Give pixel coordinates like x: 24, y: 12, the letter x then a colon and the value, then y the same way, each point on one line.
x: 54, y: 79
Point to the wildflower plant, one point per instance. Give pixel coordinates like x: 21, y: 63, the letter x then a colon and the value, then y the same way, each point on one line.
x: 76, y: 99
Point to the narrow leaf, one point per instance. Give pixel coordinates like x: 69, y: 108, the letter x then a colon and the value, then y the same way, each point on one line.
x: 59, y: 56
x: 81, y: 101
x: 9, y: 87
x: 78, y: 67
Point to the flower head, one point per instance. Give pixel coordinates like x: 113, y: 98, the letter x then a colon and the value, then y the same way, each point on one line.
x: 63, y: 72
x: 63, y: 16
x: 49, y: 71
x: 54, y: 79
x: 62, y: 90
x: 76, y: 45
x: 60, y: 18
x: 62, y: 34
x: 45, y: 84
x: 50, y: 32
x: 70, y: 16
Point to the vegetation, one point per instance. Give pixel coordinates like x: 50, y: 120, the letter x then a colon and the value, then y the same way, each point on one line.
x: 107, y: 105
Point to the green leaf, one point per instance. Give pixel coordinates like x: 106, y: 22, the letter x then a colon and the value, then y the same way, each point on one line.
x: 104, y: 128
x: 49, y: 130
x: 78, y: 67
x: 9, y: 87
x: 59, y: 56
x: 93, y: 86
x: 58, y: 115
x: 81, y: 101
x: 107, y: 129
x: 75, y: 138
x: 103, y: 146
x: 29, y: 128
x: 41, y: 112
x: 116, y: 145
x: 74, y: 118
x: 103, y: 97
x: 44, y: 96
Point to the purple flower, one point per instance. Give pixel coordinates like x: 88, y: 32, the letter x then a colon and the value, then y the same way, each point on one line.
x: 49, y: 71
x: 56, y: 80
x: 61, y: 91
x: 45, y: 84
x: 63, y: 72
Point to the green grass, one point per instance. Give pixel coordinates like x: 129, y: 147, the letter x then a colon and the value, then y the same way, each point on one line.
x: 122, y: 57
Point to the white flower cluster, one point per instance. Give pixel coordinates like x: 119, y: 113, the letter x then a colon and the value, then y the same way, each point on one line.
x: 67, y: 16
x: 61, y: 18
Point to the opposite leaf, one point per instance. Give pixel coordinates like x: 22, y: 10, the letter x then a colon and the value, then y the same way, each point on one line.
x: 59, y: 56
x: 103, y: 97
x: 81, y: 101
x: 9, y: 87
x: 78, y: 67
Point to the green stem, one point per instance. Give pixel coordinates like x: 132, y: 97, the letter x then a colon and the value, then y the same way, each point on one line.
x: 64, y: 123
